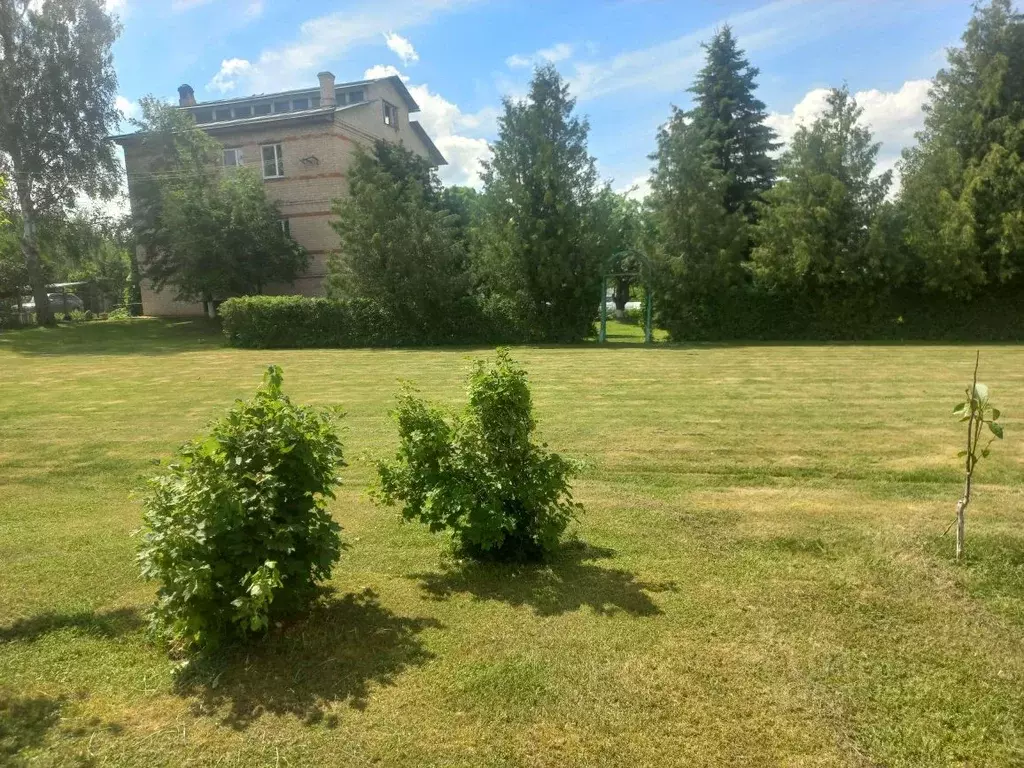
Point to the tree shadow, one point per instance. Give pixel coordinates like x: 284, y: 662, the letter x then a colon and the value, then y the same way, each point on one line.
x: 106, y: 624
x: 336, y: 655
x: 568, y: 582
x: 24, y: 723
x: 140, y: 336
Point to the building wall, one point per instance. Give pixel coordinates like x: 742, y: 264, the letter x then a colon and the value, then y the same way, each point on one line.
x: 316, y: 158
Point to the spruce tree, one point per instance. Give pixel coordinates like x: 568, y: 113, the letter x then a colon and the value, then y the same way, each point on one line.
x: 963, y: 184
x: 536, y: 246
x: 731, y: 120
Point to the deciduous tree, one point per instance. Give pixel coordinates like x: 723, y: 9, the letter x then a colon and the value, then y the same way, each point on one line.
x: 57, y: 90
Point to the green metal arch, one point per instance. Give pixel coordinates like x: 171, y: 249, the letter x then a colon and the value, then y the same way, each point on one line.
x: 644, y: 273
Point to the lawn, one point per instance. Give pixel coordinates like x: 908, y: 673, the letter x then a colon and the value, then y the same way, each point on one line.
x: 760, y: 576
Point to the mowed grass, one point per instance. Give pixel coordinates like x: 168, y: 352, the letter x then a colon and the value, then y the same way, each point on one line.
x: 760, y: 576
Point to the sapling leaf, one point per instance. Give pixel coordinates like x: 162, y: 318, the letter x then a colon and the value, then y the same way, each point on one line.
x: 996, y: 429
x: 996, y: 413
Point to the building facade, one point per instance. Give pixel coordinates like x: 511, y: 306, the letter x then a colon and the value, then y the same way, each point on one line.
x: 302, y: 143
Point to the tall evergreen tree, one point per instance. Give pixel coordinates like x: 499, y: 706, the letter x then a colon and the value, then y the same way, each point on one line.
x: 539, y: 186
x: 400, y: 245
x: 963, y: 184
x: 818, y: 227
x: 731, y: 120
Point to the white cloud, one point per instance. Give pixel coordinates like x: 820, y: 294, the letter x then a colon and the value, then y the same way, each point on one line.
x: 893, y: 117
x: 638, y: 189
x: 128, y: 108
x: 401, y: 48
x: 662, y: 67
x: 457, y: 135
x: 323, y: 40
x: 553, y: 55
x: 115, y: 6
x: 378, y: 71
x: 231, y: 71
x: 254, y: 9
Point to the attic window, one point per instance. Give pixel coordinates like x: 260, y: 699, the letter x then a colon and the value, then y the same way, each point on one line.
x: 282, y: 106
x: 300, y: 104
x: 391, y: 115
x: 354, y: 97
x: 222, y: 114
x: 203, y: 115
x: 245, y: 111
x: 315, y: 102
x: 261, y: 109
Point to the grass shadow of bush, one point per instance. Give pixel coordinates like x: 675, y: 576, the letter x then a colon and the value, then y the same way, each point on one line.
x: 113, y: 623
x: 335, y: 655
x: 567, y: 582
x: 24, y: 723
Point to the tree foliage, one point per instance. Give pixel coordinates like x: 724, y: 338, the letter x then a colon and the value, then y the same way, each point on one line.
x: 963, y: 184
x: 730, y: 120
x: 209, y: 232
x: 535, y: 246
x: 479, y: 474
x: 57, y: 91
x: 237, y: 533
x: 400, y: 245
x: 818, y: 228
x: 617, y: 224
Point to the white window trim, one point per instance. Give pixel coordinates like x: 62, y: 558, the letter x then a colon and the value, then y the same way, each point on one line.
x: 238, y: 157
x: 394, y: 111
x: 278, y: 161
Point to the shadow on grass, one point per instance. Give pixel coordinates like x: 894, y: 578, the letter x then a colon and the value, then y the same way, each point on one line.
x: 106, y: 624
x: 335, y: 656
x: 24, y: 723
x: 140, y: 336
x: 567, y: 583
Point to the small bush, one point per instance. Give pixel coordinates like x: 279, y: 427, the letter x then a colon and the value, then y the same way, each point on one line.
x: 478, y: 474
x: 119, y: 313
x: 89, y: 315
x: 237, y: 532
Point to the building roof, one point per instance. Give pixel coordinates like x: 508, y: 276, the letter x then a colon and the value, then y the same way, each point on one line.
x: 435, y: 153
x: 410, y: 102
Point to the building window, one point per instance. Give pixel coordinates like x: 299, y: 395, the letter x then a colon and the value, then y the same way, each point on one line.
x: 273, y: 161
x: 232, y: 157
x: 315, y: 102
x: 300, y: 103
x: 203, y: 115
x: 222, y: 114
x: 390, y: 115
x: 286, y: 227
x: 245, y: 111
x: 282, y: 106
x: 354, y: 97
x: 262, y: 109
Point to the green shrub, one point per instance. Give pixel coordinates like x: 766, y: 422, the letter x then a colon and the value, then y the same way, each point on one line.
x: 119, y: 313
x: 478, y: 474
x: 276, y: 322
x: 237, y: 533
x: 89, y: 315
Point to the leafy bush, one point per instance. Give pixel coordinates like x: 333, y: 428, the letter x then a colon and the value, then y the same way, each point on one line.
x: 478, y: 474
x: 89, y: 315
x: 277, y: 322
x: 119, y: 313
x: 237, y: 532
x: 262, y: 322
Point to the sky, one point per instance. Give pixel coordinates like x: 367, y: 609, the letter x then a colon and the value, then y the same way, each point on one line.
x: 627, y: 61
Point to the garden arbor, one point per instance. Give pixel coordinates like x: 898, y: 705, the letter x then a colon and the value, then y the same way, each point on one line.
x: 642, y: 273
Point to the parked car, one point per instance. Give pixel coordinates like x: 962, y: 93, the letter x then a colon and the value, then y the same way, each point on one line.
x: 59, y: 302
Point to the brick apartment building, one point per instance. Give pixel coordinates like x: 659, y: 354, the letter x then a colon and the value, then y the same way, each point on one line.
x: 302, y: 141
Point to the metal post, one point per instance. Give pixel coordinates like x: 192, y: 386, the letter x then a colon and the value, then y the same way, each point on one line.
x: 604, y: 309
x: 648, y: 330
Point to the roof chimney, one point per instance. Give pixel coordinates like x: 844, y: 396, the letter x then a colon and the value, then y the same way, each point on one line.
x: 327, y: 98
x: 186, y: 96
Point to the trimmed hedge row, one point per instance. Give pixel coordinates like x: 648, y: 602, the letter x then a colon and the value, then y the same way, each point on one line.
x: 280, y: 322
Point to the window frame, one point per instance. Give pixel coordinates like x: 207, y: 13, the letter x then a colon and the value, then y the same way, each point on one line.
x: 286, y: 227
x: 389, y: 110
x: 278, y: 160
x: 239, y: 157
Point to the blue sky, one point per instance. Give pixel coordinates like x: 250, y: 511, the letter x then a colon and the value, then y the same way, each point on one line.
x: 627, y: 61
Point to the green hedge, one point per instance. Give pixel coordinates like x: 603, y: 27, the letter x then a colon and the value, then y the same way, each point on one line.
x: 277, y: 322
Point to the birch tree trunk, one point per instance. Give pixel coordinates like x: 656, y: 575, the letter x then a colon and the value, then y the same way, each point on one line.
x: 30, y: 247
